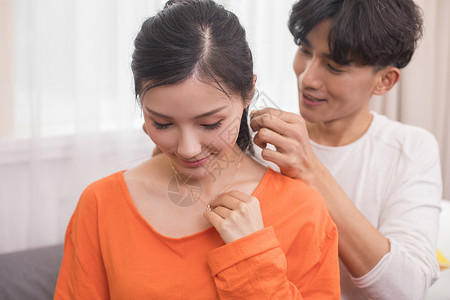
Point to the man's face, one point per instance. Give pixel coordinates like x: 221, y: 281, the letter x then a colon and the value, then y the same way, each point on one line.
x: 329, y: 92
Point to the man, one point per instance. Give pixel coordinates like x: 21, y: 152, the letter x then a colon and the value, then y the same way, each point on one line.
x: 380, y: 179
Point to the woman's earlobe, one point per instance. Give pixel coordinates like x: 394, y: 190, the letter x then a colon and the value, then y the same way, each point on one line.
x: 254, y: 85
x: 144, y: 129
x: 254, y: 93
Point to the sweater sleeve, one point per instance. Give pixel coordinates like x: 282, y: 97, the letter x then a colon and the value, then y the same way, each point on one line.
x: 255, y: 267
x: 410, y: 221
x: 82, y: 274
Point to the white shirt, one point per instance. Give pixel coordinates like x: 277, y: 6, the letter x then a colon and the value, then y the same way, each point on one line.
x: 392, y: 174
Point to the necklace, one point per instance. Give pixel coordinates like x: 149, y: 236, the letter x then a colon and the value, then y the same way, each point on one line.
x: 195, y: 192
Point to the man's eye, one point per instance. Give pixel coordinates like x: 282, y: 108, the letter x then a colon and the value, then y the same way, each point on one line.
x: 334, y: 69
x: 303, y: 50
x: 213, y: 126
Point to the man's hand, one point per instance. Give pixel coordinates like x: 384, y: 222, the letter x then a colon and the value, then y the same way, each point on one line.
x: 288, y: 133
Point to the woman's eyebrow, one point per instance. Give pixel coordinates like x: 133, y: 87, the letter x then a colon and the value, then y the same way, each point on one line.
x: 157, y: 113
x: 212, y: 112
x: 209, y: 113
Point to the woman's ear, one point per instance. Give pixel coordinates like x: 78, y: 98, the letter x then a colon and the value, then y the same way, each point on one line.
x: 388, y: 77
x: 253, y: 91
x: 254, y: 81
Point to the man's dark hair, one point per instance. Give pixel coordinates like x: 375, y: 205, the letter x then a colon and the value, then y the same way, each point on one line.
x: 369, y: 32
x: 195, y: 38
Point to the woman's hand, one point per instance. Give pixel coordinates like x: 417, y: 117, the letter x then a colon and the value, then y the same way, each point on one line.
x: 235, y: 215
x: 288, y: 133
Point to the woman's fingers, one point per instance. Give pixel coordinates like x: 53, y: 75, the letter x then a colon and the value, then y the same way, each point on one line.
x: 222, y: 212
x: 235, y: 215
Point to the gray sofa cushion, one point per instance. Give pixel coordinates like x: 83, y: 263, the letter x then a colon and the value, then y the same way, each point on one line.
x: 30, y: 274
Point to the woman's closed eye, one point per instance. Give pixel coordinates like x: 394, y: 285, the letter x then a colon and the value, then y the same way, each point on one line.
x: 160, y: 126
x: 212, y: 126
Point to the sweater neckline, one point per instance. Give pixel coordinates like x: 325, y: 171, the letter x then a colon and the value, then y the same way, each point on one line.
x: 269, y: 173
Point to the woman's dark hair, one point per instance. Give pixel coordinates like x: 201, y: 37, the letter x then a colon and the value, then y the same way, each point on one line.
x: 370, y: 32
x: 195, y: 38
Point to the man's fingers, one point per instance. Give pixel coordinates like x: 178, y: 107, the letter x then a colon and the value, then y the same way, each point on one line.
x: 261, y: 144
x: 266, y: 136
x: 277, y: 113
x: 281, y: 159
x: 276, y: 124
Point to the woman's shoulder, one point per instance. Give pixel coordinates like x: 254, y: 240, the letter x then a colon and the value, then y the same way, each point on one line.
x: 102, y: 185
x: 276, y: 183
x: 291, y: 203
x: 105, y: 184
x: 287, y: 195
x: 117, y: 185
x: 102, y: 190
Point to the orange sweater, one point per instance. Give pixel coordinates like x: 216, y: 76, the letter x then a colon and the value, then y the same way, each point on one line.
x: 111, y: 252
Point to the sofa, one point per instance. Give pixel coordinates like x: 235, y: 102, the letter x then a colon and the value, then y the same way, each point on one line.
x: 30, y: 274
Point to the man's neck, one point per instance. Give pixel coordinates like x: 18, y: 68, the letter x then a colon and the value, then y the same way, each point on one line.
x: 340, y: 132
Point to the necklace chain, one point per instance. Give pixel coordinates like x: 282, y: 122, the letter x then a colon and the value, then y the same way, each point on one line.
x: 208, y: 206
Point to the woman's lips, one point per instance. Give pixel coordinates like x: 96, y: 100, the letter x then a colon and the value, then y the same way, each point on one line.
x: 311, y: 101
x: 194, y: 163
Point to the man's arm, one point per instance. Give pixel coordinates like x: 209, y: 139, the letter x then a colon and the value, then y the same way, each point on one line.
x: 361, y: 245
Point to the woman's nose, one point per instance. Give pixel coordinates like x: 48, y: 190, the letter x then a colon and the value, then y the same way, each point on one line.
x: 188, y: 145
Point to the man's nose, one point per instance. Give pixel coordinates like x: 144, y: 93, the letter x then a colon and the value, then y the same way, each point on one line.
x: 312, y: 76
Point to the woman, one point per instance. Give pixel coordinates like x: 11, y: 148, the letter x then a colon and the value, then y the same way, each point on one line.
x: 203, y: 220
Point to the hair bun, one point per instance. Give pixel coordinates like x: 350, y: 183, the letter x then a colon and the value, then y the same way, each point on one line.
x: 172, y: 2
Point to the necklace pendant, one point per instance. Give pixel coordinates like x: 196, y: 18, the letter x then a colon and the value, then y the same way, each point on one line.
x: 208, y: 207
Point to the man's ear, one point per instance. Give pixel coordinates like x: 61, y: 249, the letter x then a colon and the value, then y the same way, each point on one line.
x: 253, y: 91
x: 388, y: 77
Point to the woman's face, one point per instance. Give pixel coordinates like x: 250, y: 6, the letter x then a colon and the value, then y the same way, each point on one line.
x: 196, y: 125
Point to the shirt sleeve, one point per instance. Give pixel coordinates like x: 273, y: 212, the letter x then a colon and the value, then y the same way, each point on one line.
x: 82, y: 274
x: 255, y: 266
x: 410, y: 221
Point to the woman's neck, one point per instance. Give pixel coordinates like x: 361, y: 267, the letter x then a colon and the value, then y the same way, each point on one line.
x: 221, y: 174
